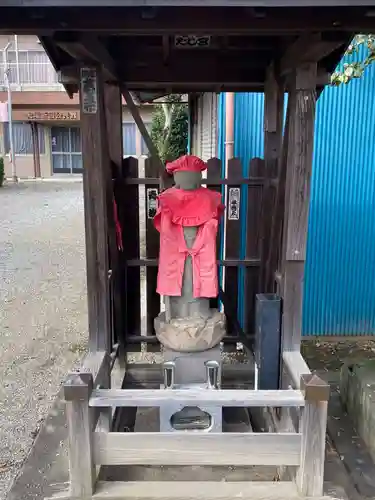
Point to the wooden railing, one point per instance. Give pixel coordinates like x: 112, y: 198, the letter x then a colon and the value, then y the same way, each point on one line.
x: 91, y: 444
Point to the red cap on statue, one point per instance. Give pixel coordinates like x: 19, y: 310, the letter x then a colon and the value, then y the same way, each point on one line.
x: 187, y: 163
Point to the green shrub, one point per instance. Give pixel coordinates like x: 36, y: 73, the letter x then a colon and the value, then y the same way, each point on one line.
x: 171, y: 143
x: 2, y: 171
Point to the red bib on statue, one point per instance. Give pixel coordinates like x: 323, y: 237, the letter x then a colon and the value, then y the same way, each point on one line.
x: 178, y: 208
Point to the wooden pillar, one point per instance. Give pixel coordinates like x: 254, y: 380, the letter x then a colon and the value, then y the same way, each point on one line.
x: 36, y: 151
x: 77, y: 392
x: 273, y: 126
x: 113, y: 112
x: 297, y: 199
x: 96, y: 165
x: 310, y: 475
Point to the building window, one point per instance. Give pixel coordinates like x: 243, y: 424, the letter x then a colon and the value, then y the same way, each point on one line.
x: 128, y: 137
x: 34, y: 67
x: 23, y: 139
x: 144, y: 150
x: 66, y: 150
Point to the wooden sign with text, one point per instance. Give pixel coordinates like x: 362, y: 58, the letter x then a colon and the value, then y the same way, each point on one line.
x: 53, y: 115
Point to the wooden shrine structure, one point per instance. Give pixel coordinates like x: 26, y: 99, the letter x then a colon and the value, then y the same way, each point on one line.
x: 141, y: 51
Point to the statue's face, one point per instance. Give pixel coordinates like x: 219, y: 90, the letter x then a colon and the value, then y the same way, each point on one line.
x: 187, y: 180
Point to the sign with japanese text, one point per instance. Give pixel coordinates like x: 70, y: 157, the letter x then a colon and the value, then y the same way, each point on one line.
x: 89, y: 91
x: 152, y: 202
x: 52, y: 115
x: 192, y: 41
x: 234, y: 204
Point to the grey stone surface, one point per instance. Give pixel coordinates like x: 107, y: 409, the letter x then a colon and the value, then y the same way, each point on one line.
x: 186, y: 306
x: 43, y: 317
x: 190, y: 334
x: 190, y: 372
x: 357, y: 391
x: 190, y: 366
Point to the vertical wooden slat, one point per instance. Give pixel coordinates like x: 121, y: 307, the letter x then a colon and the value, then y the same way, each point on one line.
x: 113, y: 110
x: 273, y: 124
x: 233, y: 240
x: 152, y: 244
x: 279, y: 204
x: 130, y: 224
x: 214, y: 174
x: 253, y: 232
x: 96, y: 162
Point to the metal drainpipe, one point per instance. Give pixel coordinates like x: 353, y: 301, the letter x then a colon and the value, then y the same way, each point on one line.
x: 229, y: 154
x: 12, y: 155
x: 17, y: 60
x: 229, y: 128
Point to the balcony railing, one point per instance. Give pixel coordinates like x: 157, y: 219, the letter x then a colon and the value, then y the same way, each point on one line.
x: 29, y: 74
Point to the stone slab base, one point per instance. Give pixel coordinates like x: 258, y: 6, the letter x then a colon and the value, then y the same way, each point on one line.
x: 357, y: 392
x: 198, y: 490
x: 190, y: 366
x: 190, y: 334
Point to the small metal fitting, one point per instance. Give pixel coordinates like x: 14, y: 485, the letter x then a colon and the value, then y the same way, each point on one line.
x: 212, y: 374
x: 169, y: 372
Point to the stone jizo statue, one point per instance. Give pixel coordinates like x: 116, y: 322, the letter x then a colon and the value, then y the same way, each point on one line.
x: 187, y: 220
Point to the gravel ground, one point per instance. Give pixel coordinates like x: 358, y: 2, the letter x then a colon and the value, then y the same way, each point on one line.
x: 43, y: 314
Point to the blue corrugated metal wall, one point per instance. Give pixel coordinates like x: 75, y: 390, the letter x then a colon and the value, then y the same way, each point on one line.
x: 339, y: 278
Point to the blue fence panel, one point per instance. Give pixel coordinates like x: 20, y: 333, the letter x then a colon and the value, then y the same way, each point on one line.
x: 339, y: 283
x: 339, y: 286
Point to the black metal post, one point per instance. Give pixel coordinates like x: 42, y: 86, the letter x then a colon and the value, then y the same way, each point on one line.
x: 268, y: 340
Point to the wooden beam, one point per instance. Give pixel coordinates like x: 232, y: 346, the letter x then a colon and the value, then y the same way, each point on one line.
x: 205, y: 64
x: 308, y: 48
x: 134, y: 110
x: 96, y: 164
x: 69, y: 75
x: 169, y: 448
x: 185, y: 20
x: 195, y: 68
x: 196, y: 397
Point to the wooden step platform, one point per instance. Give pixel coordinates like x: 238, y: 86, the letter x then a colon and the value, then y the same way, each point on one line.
x: 197, y: 490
